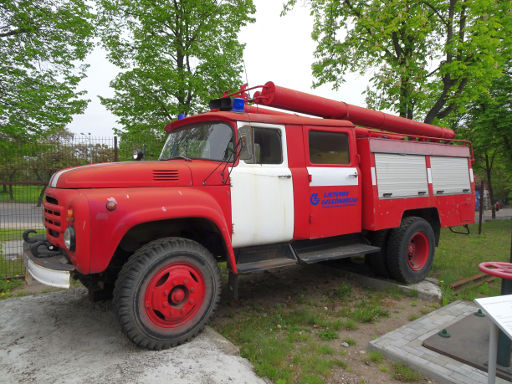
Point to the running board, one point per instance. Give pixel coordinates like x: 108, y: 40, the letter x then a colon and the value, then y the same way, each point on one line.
x: 341, y: 247
x: 263, y: 257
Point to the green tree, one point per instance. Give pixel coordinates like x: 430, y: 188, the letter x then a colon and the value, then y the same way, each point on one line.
x: 488, y: 124
x: 59, y: 151
x: 176, y: 55
x: 41, y: 45
x: 429, y: 58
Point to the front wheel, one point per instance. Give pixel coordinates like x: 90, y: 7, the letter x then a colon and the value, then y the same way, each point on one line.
x: 166, y: 292
x: 410, y: 250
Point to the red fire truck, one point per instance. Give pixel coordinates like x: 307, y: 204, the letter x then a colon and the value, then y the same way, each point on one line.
x: 259, y: 189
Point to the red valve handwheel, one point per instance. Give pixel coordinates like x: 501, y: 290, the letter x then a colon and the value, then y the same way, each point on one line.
x: 497, y: 268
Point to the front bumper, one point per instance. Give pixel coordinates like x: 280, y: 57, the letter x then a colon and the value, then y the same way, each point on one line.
x: 48, y: 266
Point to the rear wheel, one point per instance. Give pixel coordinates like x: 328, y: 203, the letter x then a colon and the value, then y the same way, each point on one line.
x: 167, y: 292
x: 410, y: 250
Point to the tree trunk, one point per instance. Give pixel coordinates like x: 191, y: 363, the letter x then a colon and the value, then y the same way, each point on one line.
x: 4, y: 188
x: 11, y: 178
x: 488, y: 169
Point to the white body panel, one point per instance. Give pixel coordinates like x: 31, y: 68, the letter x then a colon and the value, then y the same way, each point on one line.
x: 262, y: 201
x: 401, y: 175
x: 450, y: 175
x: 332, y: 176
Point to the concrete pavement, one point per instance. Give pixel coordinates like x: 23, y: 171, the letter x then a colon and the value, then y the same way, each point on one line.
x: 20, y: 216
x: 62, y: 337
x: 405, y: 345
x: 502, y: 214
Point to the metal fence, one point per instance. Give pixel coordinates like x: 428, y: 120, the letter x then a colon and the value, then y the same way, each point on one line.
x: 25, y: 170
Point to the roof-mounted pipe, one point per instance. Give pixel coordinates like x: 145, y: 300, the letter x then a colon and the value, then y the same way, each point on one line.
x: 279, y: 97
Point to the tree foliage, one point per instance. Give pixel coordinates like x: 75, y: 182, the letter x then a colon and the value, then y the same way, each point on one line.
x: 175, y: 55
x: 488, y: 124
x: 41, y: 42
x: 428, y: 58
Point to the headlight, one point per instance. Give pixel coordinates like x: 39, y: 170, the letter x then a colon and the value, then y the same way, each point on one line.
x: 69, y: 238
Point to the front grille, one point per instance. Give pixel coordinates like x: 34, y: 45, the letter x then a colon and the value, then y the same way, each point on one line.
x: 52, y: 212
x: 166, y: 175
x: 52, y: 200
x: 52, y: 216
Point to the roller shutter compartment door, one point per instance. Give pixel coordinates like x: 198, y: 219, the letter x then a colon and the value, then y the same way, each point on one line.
x: 401, y: 175
x: 450, y: 175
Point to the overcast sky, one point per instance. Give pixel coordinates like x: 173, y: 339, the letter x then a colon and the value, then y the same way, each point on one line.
x: 278, y: 49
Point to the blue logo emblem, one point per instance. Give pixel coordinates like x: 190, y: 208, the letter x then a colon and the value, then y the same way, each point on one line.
x: 333, y: 199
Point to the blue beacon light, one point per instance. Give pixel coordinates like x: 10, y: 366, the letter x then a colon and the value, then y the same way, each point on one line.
x: 238, y: 105
x: 182, y: 116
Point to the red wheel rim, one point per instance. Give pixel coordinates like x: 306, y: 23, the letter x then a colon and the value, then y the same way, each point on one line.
x: 174, y: 295
x: 417, y: 251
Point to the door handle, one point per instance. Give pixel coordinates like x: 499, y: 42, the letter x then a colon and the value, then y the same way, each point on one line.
x: 355, y: 174
x: 285, y: 176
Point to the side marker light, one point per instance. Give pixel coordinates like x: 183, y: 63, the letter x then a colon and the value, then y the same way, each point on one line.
x: 111, y: 205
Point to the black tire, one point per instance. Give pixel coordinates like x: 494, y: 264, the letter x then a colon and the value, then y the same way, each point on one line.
x: 410, y: 250
x: 166, y: 293
x: 377, y: 262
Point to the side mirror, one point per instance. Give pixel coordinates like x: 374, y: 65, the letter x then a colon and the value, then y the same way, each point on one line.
x: 138, y: 154
x: 245, y: 151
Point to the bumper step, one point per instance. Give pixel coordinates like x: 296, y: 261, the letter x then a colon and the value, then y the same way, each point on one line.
x: 313, y: 251
x: 259, y: 258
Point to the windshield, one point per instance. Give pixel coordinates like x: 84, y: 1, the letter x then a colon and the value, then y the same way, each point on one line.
x: 209, y: 140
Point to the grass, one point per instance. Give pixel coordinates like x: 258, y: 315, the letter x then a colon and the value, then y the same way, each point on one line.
x: 403, y: 373
x: 293, y: 342
x: 11, y: 268
x: 458, y: 256
x: 15, y: 234
x: 374, y: 357
x: 327, y: 334
x: 343, y: 292
x: 7, y: 285
x: 298, y: 341
x: 350, y: 324
x: 367, y: 311
x: 325, y: 350
x: 22, y: 194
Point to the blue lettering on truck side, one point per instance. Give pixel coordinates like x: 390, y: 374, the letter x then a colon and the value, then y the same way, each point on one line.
x: 333, y: 199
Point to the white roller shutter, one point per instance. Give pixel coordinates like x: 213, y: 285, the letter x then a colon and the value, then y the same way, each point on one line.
x: 401, y: 175
x: 450, y: 175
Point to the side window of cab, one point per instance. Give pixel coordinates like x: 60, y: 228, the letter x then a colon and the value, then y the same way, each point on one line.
x: 261, y: 145
x: 327, y: 147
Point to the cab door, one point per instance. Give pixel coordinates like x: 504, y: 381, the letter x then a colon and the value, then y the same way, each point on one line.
x: 262, y: 189
x: 334, y: 194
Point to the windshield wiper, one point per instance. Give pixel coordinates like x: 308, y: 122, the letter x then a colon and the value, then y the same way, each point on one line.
x: 180, y: 157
